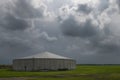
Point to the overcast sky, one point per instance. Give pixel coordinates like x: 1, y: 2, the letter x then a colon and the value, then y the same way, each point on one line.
x: 85, y: 30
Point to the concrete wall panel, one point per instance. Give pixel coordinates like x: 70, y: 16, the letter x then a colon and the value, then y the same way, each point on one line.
x: 36, y: 64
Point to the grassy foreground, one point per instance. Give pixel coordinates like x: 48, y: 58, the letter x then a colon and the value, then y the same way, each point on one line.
x: 80, y: 73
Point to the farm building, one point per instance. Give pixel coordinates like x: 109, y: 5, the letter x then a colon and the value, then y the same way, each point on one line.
x: 43, y: 61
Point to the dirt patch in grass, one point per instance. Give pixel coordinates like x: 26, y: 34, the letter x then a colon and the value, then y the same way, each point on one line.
x: 15, y: 78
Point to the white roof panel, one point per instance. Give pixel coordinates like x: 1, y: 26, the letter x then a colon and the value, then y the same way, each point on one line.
x: 46, y: 55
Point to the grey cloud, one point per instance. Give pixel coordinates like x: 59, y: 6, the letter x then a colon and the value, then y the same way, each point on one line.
x: 118, y: 2
x: 104, y: 47
x: 109, y: 48
x: 101, y: 40
x: 104, y: 4
x: 24, y: 9
x: 12, y: 49
x: 16, y: 32
x: 84, y: 8
x: 10, y: 22
x: 105, y: 42
x: 84, y: 41
x: 71, y: 27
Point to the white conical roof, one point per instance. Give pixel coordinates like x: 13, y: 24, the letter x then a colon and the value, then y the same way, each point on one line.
x: 46, y: 55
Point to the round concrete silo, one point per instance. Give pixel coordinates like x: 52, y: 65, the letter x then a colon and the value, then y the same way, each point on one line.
x: 43, y: 61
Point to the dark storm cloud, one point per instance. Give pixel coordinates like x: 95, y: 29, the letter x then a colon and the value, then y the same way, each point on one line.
x: 11, y: 22
x: 12, y: 49
x: 101, y: 40
x: 16, y: 32
x: 109, y: 48
x: 104, y: 4
x: 71, y: 27
x: 88, y: 38
x: 118, y: 2
x: 84, y: 8
x: 106, y: 48
x: 17, y: 15
x: 24, y: 9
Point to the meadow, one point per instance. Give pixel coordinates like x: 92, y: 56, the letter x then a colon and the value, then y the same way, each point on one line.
x: 82, y: 72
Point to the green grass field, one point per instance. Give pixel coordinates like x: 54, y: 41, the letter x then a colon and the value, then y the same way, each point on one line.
x: 80, y: 73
